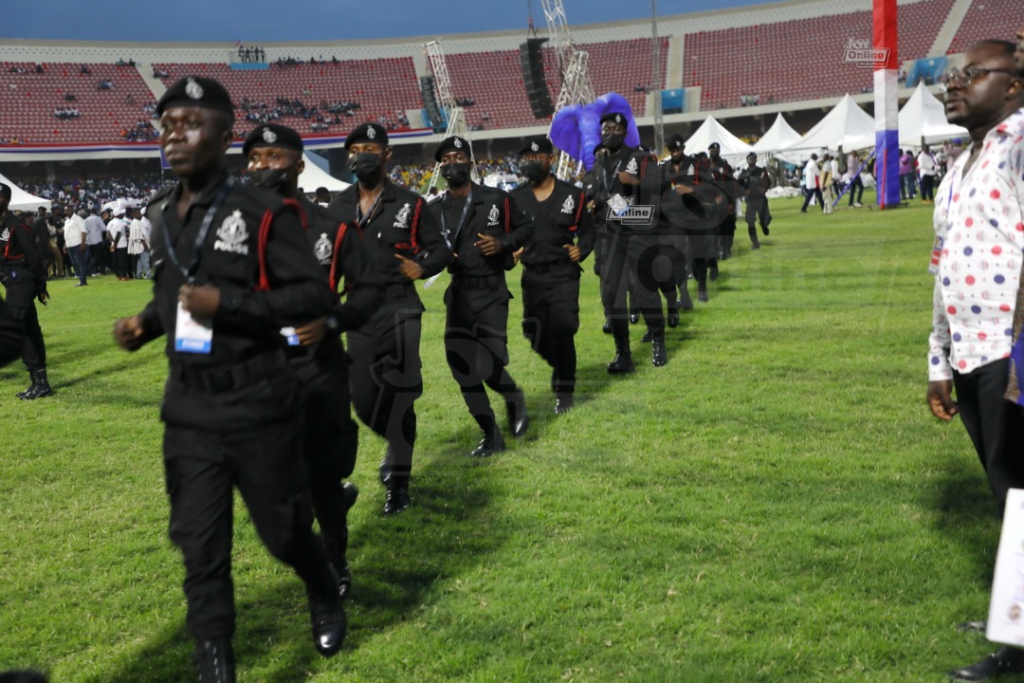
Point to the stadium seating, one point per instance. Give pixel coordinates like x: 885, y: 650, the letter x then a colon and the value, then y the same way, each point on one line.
x: 383, y: 87
x: 494, y: 80
x: 27, y: 101
x: 800, y: 59
x: 988, y: 19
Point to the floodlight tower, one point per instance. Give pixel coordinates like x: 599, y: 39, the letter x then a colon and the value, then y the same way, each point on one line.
x: 456, y: 116
x: 573, y: 64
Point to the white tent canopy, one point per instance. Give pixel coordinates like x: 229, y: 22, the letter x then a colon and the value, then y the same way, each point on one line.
x: 847, y: 126
x: 21, y: 200
x: 924, y: 116
x: 779, y: 136
x: 313, y: 177
x: 712, y: 131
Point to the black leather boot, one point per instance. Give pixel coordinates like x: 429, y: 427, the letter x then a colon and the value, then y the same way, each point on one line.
x: 659, y: 356
x: 493, y: 442
x: 215, y: 661
x: 623, y: 362
x: 327, y: 616
x: 397, y: 497
x: 515, y: 408
x: 40, y: 388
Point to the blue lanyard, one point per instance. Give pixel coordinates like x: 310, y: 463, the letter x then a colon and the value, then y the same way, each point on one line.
x: 204, y: 230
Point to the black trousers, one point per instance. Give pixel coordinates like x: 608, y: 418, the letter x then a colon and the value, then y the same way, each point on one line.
x: 330, y: 439
x: 928, y: 187
x: 476, y: 345
x: 995, y: 425
x: 551, y: 318
x: 385, y: 376
x: 21, y: 296
x: 121, y: 262
x: 632, y: 253
x: 816, y: 193
x: 202, y: 468
x: 100, y: 257
x: 856, y: 190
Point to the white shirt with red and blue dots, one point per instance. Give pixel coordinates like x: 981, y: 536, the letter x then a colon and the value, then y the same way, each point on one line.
x: 980, y: 222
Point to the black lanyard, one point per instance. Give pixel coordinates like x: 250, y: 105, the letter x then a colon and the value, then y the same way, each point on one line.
x: 615, y: 174
x: 462, y: 222
x: 362, y: 220
x: 204, y: 230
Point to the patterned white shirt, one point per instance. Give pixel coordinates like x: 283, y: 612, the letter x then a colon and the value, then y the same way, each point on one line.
x: 979, y: 227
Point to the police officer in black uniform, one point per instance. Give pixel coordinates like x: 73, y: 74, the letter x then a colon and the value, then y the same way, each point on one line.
x: 629, y: 177
x: 315, y: 350
x: 23, y: 274
x: 231, y: 268
x: 676, y: 246
x: 404, y: 244
x: 723, y: 175
x: 754, y: 183
x: 12, y: 338
x: 483, y: 229
x: 563, y: 236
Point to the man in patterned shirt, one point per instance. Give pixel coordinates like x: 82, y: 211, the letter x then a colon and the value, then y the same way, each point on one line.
x: 979, y: 236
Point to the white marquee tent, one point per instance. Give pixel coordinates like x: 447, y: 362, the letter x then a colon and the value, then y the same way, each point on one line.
x: 779, y: 136
x: 924, y: 116
x: 21, y: 200
x: 847, y: 126
x: 313, y: 177
x: 733, y: 149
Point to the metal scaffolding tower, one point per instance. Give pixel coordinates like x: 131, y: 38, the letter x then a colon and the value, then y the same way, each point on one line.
x: 573, y: 64
x: 456, y: 116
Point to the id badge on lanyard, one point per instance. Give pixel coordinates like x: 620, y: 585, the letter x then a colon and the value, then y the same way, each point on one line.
x: 191, y: 335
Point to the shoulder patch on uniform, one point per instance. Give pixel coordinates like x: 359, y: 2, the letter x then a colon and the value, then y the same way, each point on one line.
x: 492, y: 217
x: 402, y: 217
x: 323, y: 249
x: 632, y: 168
x: 569, y: 205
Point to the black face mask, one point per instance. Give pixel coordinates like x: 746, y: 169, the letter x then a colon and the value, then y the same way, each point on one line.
x: 612, y: 141
x: 457, y: 175
x: 534, y: 171
x: 367, y: 167
x: 273, y: 179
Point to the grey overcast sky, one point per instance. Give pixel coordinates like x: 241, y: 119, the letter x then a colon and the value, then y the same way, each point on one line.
x: 276, y: 20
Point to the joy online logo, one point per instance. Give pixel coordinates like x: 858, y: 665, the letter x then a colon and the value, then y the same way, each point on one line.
x: 634, y: 215
x: 861, y: 53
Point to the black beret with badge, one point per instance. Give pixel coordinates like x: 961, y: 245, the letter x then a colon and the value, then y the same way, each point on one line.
x: 615, y: 117
x: 368, y: 132
x: 454, y: 143
x: 272, y: 135
x: 675, y: 142
x: 538, y: 145
x: 196, y: 91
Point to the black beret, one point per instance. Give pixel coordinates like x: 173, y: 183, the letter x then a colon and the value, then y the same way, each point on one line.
x: 272, y: 135
x: 675, y: 142
x: 196, y: 91
x: 368, y: 132
x: 615, y: 117
x: 453, y: 143
x: 537, y: 145
x: 714, y: 145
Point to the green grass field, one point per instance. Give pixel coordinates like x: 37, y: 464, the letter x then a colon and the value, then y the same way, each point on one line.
x: 776, y: 504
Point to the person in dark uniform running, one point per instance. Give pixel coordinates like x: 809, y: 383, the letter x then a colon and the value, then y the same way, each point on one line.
x: 315, y: 350
x: 483, y: 229
x: 23, y: 274
x: 723, y: 175
x: 404, y: 244
x: 563, y: 236
x: 677, y: 296
x: 231, y: 268
x: 629, y: 177
x: 12, y: 338
x: 754, y: 183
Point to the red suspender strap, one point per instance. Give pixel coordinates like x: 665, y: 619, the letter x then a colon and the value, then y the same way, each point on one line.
x: 579, y: 212
x: 413, y: 236
x: 299, y: 210
x: 334, y: 257
x: 261, y: 247
x: 7, y: 248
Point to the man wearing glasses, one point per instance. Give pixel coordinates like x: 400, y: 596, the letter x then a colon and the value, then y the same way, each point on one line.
x: 979, y: 235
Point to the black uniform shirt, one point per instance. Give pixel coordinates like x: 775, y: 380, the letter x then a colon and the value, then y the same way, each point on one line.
x: 400, y: 224
x: 19, y: 252
x: 345, y: 261
x: 754, y: 180
x: 248, y: 321
x: 560, y: 219
x: 489, y: 211
x: 635, y: 162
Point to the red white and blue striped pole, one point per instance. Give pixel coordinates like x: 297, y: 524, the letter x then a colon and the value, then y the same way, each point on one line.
x: 887, y: 110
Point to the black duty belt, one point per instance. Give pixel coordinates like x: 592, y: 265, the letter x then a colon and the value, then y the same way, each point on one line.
x: 399, y: 290
x: 234, y: 377
x: 553, y: 267
x: 489, y: 282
